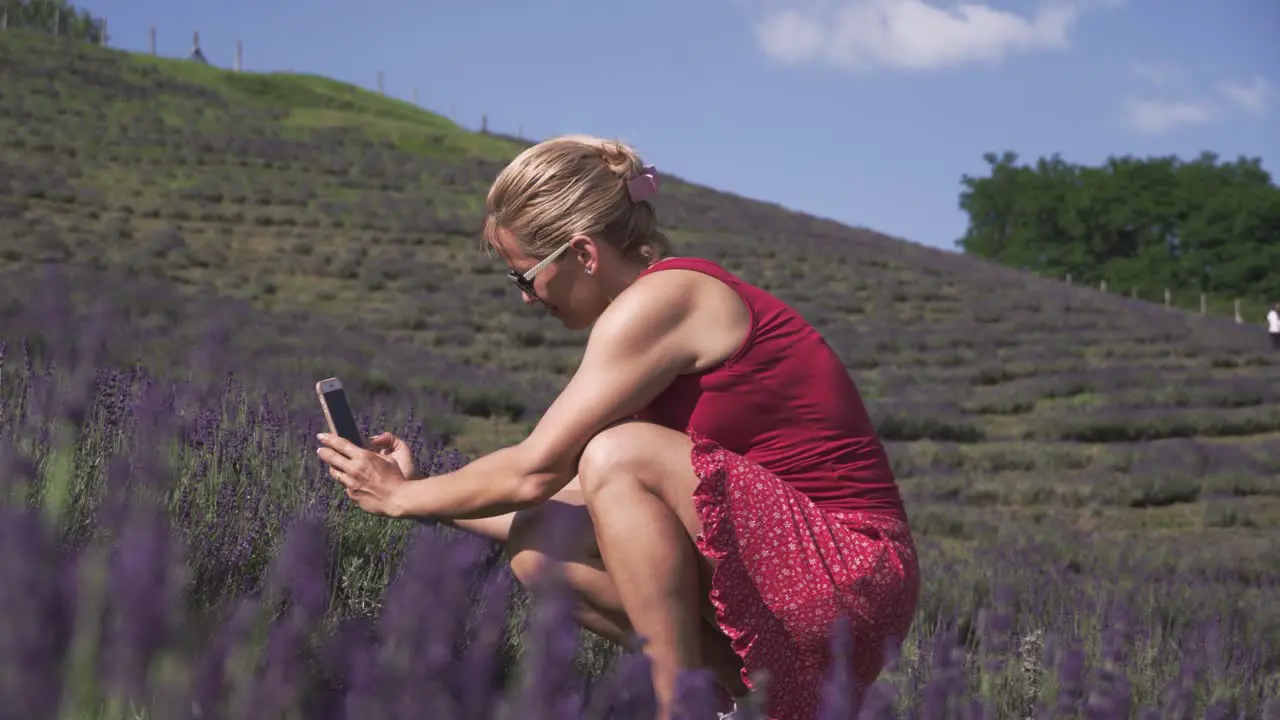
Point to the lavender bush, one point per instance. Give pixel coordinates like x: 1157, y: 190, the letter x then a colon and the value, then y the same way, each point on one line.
x: 172, y: 550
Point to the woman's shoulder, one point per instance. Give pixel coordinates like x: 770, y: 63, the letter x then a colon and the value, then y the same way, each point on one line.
x: 684, y: 262
x: 703, y: 299
x: 676, y: 279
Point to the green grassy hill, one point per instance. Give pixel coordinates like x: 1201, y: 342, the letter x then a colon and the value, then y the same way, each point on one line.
x: 290, y: 226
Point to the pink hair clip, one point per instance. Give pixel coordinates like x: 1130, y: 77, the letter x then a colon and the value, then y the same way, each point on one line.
x: 643, y: 186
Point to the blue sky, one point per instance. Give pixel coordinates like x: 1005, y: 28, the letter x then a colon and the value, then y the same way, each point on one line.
x: 865, y: 111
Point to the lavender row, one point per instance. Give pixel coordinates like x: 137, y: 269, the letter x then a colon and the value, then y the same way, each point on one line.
x: 205, y: 561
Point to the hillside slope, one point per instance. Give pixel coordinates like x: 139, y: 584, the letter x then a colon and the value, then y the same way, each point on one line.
x: 317, y: 202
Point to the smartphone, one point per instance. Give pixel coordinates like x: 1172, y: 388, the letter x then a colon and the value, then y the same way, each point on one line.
x: 337, y: 412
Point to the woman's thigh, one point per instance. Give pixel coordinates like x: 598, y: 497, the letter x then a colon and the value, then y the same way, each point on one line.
x: 531, y: 527
x: 630, y: 451
x: 654, y: 456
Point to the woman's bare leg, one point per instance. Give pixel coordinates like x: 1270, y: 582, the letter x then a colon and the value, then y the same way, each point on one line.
x: 638, y: 486
x: 661, y: 601
x: 600, y: 609
x: 529, y: 549
x: 687, y: 638
x: 518, y: 532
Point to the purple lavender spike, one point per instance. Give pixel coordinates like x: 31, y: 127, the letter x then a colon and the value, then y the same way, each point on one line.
x: 1071, y: 669
x: 838, y: 690
x: 142, y: 600
x: 17, y: 471
x: 36, y: 622
x: 947, y: 688
x: 480, y: 664
x: 355, y: 649
x: 297, y: 574
x: 879, y: 702
x: 210, y: 683
x: 626, y: 693
x: 696, y: 695
x: 552, y: 638
x: 417, y: 652
x: 278, y: 689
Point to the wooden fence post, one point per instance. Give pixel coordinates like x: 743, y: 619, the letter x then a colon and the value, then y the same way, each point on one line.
x: 1168, y: 298
x: 1239, y: 318
x: 239, y: 56
x: 1204, y: 303
x: 1102, y: 286
x: 153, y: 39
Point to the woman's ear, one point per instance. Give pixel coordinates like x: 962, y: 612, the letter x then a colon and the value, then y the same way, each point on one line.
x: 585, y: 249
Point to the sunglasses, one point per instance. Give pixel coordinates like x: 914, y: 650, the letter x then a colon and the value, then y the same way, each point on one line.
x: 524, y: 280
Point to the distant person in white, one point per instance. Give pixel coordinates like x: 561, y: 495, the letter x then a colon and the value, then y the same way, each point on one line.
x: 1273, y: 325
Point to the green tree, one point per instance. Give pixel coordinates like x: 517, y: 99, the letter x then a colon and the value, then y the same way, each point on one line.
x: 1145, y: 223
x: 54, y: 17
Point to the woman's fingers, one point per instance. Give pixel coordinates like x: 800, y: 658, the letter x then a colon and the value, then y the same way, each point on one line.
x: 334, y: 458
x: 340, y: 444
x: 343, y: 478
x: 385, y: 441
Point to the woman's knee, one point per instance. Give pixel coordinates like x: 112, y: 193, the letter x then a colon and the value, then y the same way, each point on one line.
x: 525, y: 560
x: 629, y: 450
x: 556, y: 530
x: 526, y: 565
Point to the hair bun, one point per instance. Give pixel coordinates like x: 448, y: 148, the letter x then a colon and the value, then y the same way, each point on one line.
x: 621, y: 159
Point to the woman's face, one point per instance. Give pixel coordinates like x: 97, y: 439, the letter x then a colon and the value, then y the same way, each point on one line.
x: 563, y: 286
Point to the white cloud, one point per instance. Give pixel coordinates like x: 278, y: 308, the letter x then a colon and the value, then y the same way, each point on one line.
x: 1159, y: 74
x: 1154, y: 115
x: 862, y: 35
x: 1251, y: 96
x: 1160, y: 116
x: 791, y: 37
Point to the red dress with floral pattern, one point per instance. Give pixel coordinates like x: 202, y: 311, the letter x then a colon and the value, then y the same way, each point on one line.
x: 800, y: 511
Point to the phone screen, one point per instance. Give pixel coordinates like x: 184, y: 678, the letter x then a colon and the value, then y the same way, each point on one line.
x: 344, y: 423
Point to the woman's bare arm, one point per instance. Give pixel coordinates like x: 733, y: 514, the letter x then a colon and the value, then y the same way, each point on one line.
x: 642, y: 342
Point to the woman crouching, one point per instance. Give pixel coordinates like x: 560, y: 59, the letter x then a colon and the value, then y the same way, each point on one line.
x: 732, y: 497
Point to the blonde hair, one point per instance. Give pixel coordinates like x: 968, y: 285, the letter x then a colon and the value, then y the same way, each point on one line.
x: 574, y: 185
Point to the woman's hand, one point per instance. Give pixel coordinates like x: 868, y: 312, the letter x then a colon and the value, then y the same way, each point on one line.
x: 372, y: 479
x: 392, y: 447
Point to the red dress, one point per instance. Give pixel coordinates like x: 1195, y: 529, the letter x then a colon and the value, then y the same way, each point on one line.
x: 799, y: 507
